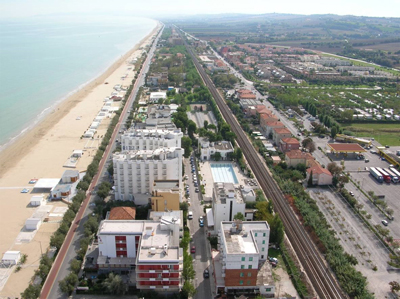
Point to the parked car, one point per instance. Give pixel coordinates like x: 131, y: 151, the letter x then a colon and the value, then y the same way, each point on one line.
x: 197, y: 190
x: 385, y: 223
x: 273, y: 260
x: 190, y: 215
x: 193, y: 249
x: 201, y: 223
x: 206, y: 273
x: 351, y: 193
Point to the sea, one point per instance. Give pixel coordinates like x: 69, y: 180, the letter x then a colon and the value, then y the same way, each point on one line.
x: 45, y: 59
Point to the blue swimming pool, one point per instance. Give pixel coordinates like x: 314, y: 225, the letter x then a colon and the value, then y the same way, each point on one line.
x: 223, y: 173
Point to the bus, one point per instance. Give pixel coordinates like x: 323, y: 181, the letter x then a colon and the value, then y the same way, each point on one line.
x: 386, y: 176
x: 395, y: 178
x: 376, y: 174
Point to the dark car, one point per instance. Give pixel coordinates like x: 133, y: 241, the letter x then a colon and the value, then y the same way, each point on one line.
x: 206, y: 273
x: 197, y: 190
x: 193, y: 249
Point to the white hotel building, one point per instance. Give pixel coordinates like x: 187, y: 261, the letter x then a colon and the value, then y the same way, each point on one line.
x: 135, y: 172
x: 149, y: 247
x: 138, y: 139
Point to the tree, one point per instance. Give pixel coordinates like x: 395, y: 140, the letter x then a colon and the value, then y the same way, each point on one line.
x: 114, y: 284
x: 333, y: 132
x: 205, y: 124
x: 32, y: 292
x: 277, y: 230
x: 239, y: 216
x: 310, y: 180
x: 309, y: 144
x: 188, y: 290
x: 217, y: 156
x: 57, y: 239
x: 394, y: 286
x: 110, y: 169
x: 76, y: 265
x: 334, y: 169
x: 187, y: 146
x: 67, y: 285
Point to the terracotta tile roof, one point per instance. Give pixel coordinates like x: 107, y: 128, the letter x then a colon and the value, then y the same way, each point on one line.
x: 273, y: 123
x: 282, y: 131
x: 122, y: 213
x: 266, y: 115
x: 298, y: 154
x: 290, y: 140
x: 316, y: 168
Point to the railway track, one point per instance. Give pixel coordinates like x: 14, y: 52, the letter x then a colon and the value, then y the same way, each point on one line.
x: 319, y: 274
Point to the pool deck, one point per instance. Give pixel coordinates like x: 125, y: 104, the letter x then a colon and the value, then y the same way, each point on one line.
x: 208, y: 180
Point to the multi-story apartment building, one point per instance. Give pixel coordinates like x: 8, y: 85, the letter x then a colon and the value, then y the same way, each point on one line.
x: 136, y: 171
x: 165, y: 196
x: 139, y: 139
x: 241, y: 264
x: 149, y: 247
x: 227, y: 202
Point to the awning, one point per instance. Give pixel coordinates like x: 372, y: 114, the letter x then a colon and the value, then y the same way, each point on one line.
x: 210, y: 217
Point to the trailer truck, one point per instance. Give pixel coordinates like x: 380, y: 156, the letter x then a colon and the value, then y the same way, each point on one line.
x: 376, y: 174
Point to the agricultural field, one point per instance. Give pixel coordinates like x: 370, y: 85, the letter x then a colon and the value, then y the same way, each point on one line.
x: 385, y: 134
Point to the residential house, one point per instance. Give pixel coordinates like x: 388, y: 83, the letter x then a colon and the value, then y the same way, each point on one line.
x: 209, y: 149
x: 320, y: 175
x: 280, y: 133
x: 288, y: 144
x: 295, y: 157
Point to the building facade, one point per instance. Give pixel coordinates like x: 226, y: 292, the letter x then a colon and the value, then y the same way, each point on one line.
x: 227, y: 202
x: 166, y: 196
x: 242, y: 264
x: 136, y: 171
x: 209, y: 149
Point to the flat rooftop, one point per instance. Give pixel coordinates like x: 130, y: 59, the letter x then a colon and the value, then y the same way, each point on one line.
x: 126, y: 227
x: 346, y: 147
x: 242, y: 241
x: 46, y: 183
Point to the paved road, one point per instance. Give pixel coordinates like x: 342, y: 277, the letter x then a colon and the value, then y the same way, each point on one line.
x: 202, y: 257
x: 71, y: 244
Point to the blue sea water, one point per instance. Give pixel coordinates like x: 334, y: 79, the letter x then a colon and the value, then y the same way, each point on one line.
x: 44, y: 59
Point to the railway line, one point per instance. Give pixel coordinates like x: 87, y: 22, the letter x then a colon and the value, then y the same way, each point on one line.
x: 311, y: 260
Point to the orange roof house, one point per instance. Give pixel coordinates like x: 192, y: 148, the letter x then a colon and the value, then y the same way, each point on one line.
x: 122, y: 213
x: 321, y: 176
x: 288, y: 144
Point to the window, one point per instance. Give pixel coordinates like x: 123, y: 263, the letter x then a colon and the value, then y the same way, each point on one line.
x: 250, y: 259
x: 262, y: 249
x: 268, y: 289
x: 242, y: 267
x: 243, y: 259
x: 241, y: 282
x: 263, y: 242
x: 241, y: 274
x: 264, y: 234
x: 249, y: 274
x: 255, y: 234
x: 248, y: 282
x: 250, y: 267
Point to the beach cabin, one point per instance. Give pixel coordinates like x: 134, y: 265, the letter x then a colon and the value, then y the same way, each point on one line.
x: 37, y: 200
x: 94, y: 125
x: 61, y: 191
x: 105, y: 108
x: 11, y: 258
x: 70, y: 176
x: 33, y: 223
x: 77, y: 153
x: 89, y: 134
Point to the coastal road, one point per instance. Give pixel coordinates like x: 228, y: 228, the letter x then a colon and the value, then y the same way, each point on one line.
x: 67, y: 252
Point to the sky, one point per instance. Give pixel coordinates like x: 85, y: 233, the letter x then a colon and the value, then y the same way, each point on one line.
x: 158, y: 8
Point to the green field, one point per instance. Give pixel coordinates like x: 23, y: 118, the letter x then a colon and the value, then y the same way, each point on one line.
x: 385, y: 134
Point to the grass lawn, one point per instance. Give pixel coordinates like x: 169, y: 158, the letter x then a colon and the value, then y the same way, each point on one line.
x: 385, y: 134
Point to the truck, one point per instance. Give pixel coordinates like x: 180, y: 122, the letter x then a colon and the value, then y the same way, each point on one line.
x: 386, y: 176
x: 395, y: 178
x: 376, y: 174
x: 395, y: 171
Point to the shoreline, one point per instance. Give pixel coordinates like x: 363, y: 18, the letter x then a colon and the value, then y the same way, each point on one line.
x: 41, y: 153
x: 31, y: 135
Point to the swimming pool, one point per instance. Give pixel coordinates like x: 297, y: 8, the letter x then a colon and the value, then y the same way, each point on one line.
x: 223, y: 173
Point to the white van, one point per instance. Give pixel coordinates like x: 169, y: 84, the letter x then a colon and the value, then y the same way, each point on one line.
x: 190, y: 215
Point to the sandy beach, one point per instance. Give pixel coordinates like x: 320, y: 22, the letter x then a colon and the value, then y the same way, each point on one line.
x: 41, y: 153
